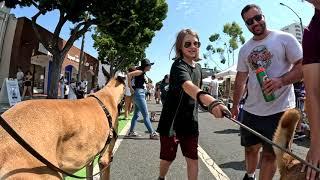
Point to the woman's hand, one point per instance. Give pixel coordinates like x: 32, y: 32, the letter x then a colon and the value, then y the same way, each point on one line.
x: 220, y: 111
x: 131, y: 90
x: 313, y: 157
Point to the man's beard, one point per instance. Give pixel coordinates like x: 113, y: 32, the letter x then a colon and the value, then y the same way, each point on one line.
x: 263, y: 29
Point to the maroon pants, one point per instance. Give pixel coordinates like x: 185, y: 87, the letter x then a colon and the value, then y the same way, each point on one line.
x: 169, y: 146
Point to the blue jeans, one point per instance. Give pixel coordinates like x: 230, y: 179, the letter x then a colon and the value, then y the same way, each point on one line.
x: 140, y: 106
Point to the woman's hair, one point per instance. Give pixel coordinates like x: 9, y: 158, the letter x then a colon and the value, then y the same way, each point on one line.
x: 178, y: 44
x: 29, y: 72
x: 130, y: 69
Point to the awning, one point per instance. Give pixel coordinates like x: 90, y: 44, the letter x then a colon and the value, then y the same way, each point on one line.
x: 228, y: 73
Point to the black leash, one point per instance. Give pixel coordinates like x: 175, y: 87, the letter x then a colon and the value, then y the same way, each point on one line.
x: 228, y: 116
x: 42, y: 159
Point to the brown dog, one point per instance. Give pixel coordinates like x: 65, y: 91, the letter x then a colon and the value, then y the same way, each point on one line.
x: 68, y: 133
x: 289, y: 168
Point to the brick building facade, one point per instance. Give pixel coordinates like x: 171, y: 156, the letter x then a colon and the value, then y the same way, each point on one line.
x: 31, y: 55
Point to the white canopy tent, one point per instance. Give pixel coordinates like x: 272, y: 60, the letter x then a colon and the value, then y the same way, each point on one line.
x: 206, y: 81
x: 228, y: 73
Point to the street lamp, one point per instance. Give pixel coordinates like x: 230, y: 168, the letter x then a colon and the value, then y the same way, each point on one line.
x: 296, y: 14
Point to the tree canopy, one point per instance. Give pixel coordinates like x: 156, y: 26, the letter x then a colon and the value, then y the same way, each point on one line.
x: 118, y: 19
x: 228, y: 43
x: 121, y: 49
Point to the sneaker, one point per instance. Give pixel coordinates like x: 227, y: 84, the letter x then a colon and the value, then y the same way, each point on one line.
x: 132, y: 134
x: 154, y: 136
x: 246, y: 177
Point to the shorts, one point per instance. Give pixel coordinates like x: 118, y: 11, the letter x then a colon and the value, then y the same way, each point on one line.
x: 265, y: 125
x: 27, y: 83
x: 311, y: 40
x: 127, y: 92
x: 169, y: 146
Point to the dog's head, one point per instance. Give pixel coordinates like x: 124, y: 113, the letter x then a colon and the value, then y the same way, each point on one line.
x: 121, y: 79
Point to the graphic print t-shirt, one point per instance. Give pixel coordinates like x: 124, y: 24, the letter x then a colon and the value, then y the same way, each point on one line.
x: 276, y: 53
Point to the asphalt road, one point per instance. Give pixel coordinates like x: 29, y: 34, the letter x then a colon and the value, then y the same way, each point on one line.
x: 138, y: 158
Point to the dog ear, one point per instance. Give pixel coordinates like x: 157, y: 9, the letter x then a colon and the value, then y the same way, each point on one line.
x: 121, y: 79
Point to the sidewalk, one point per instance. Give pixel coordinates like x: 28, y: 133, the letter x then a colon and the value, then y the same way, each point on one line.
x: 4, y: 107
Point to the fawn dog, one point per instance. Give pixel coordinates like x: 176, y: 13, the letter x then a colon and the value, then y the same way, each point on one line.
x: 289, y: 168
x: 68, y: 133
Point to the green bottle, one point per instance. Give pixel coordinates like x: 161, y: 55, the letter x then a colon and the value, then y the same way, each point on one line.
x: 262, y: 76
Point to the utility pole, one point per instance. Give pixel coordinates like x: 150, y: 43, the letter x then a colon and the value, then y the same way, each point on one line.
x: 301, y: 26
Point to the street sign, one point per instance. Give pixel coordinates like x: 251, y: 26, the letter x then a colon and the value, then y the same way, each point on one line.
x: 10, y: 93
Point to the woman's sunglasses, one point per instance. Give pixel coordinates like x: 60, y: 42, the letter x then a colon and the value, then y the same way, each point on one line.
x: 250, y: 21
x: 195, y: 43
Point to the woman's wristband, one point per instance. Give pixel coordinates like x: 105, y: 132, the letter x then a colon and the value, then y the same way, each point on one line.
x: 199, y: 101
x: 213, y: 104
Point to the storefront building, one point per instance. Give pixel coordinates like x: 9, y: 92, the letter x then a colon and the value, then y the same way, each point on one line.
x: 31, y: 55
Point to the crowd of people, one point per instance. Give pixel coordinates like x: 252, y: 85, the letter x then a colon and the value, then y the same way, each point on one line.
x: 24, y: 83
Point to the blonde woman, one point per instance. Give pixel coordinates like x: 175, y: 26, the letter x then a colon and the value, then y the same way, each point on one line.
x: 179, y: 118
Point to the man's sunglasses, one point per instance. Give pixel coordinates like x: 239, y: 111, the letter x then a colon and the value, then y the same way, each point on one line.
x: 250, y: 21
x: 195, y: 43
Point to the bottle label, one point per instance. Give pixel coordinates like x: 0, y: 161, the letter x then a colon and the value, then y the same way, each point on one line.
x: 262, y: 76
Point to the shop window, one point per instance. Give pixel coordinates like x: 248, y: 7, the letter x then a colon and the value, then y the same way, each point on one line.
x: 38, y: 73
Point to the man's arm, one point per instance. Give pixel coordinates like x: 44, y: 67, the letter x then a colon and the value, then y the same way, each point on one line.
x: 311, y: 74
x: 240, y: 83
x: 294, y: 75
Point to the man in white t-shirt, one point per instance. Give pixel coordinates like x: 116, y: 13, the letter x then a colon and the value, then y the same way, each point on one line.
x: 214, y: 86
x: 281, y: 55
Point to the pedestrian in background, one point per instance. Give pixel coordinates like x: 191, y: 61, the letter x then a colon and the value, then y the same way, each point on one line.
x: 140, y: 103
x: 20, y: 77
x: 128, y: 104
x: 157, y: 93
x: 27, y: 85
x: 311, y: 72
x: 72, y: 90
x: 62, y: 83
x: 179, y: 117
x: 214, y: 87
x: 299, y: 92
x: 280, y: 55
x: 149, y: 87
x: 164, y: 87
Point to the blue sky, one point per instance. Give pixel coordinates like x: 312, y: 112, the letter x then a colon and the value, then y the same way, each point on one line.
x: 204, y: 16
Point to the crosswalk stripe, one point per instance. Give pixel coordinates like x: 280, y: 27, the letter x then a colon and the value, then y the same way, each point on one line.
x: 211, y: 165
